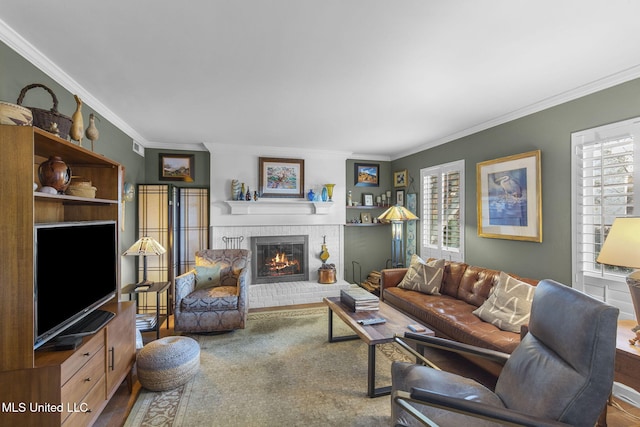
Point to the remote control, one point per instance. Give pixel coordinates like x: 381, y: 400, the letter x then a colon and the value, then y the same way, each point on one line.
x: 375, y: 321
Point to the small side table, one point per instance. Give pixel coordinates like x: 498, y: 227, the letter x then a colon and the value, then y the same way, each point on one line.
x: 627, y: 365
x: 627, y: 355
x: 142, y: 305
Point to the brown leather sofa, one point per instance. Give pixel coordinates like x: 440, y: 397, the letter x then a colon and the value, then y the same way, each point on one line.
x: 464, y: 288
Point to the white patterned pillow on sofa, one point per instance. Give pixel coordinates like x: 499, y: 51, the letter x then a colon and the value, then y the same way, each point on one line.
x: 509, y: 304
x: 425, y: 277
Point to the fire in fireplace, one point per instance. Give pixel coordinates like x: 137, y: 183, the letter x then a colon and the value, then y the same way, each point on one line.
x: 279, y: 259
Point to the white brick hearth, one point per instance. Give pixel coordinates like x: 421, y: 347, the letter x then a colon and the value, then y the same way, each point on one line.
x: 293, y: 293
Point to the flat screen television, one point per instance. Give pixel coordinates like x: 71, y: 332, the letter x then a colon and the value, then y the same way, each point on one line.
x: 75, y: 273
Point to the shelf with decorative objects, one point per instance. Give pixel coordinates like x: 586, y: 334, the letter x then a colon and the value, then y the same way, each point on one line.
x: 368, y: 207
x: 360, y: 222
x: 279, y: 207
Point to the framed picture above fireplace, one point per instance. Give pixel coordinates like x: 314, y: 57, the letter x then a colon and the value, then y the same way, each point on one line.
x: 281, y: 177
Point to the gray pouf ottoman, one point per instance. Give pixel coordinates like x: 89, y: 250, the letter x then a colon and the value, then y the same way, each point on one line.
x: 168, y: 363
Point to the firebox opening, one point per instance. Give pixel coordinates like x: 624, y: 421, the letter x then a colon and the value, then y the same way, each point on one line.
x: 279, y: 259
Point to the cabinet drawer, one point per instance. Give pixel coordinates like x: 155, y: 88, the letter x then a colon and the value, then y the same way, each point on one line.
x: 83, y: 381
x: 87, y: 410
x: 82, y: 355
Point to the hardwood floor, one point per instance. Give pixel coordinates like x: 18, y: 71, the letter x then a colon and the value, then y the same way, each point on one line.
x: 619, y: 413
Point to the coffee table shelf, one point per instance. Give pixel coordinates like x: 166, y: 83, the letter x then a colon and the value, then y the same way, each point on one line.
x: 396, y: 324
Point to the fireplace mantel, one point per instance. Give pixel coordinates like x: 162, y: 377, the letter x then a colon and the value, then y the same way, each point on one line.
x: 279, y: 207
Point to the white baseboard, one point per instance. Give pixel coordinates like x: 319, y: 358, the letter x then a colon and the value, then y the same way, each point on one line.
x: 626, y: 393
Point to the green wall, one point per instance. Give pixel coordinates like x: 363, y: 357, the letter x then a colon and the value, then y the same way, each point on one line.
x: 549, y: 131
x: 202, y: 166
x: 368, y: 246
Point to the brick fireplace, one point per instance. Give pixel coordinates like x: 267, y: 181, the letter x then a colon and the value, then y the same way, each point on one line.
x: 278, y: 292
x: 279, y: 259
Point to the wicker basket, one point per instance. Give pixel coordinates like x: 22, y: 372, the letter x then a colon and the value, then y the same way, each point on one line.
x: 12, y: 114
x: 82, y: 189
x: 44, y: 119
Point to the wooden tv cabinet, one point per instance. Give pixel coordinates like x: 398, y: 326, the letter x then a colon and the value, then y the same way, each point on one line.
x: 72, y: 387
x: 53, y: 388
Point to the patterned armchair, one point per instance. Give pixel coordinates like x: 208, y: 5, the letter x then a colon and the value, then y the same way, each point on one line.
x: 214, y: 295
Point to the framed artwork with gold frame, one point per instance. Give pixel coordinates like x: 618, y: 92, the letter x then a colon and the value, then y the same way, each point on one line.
x: 400, y: 178
x: 509, y: 197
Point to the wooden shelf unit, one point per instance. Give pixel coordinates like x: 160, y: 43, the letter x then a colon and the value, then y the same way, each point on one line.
x: 107, y: 357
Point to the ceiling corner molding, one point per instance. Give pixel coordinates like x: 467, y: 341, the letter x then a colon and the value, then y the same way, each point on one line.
x: 29, y: 52
x: 370, y: 157
x: 570, y: 95
x: 195, y: 146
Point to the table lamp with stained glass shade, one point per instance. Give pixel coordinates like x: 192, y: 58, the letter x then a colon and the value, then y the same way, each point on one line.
x: 397, y: 215
x: 144, y: 247
x: 622, y: 248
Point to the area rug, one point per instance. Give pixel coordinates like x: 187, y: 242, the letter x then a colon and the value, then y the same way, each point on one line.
x: 278, y: 371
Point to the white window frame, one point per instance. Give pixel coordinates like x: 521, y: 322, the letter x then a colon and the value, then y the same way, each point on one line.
x: 602, y: 284
x: 437, y: 250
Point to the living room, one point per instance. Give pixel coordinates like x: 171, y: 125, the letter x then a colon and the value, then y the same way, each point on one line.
x: 546, y: 125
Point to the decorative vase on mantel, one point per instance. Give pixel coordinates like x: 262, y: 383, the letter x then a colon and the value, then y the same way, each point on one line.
x: 329, y: 188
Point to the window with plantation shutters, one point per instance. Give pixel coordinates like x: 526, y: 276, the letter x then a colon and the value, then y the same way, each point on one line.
x: 604, y: 171
x: 443, y: 211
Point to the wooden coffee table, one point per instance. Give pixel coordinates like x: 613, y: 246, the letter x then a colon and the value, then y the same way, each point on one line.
x: 396, y: 324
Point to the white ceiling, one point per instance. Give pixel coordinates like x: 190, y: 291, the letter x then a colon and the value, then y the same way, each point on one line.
x: 375, y: 78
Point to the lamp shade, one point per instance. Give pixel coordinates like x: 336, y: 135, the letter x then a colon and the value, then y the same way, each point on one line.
x: 397, y: 213
x: 145, y: 246
x: 622, y: 246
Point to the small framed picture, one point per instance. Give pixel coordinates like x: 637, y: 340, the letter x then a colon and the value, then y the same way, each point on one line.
x: 400, y: 197
x: 400, y: 178
x: 367, y: 199
x: 365, y: 218
x: 177, y: 167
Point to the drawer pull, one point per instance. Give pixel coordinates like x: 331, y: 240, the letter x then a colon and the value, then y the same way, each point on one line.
x: 112, y: 362
x: 87, y: 379
x: 87, y: 354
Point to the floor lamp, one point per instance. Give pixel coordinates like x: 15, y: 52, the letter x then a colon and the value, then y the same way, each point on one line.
x: 397, y: 215
x: 144, y: 247
x: 622, y: 249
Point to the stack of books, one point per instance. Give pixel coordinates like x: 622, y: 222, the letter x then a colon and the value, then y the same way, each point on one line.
x: 357, y: 299
x: 145, y: 321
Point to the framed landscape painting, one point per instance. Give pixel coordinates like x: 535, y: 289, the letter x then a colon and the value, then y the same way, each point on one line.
x: 177, y: 167
x: 509, y: 198
x: 281, y: 177
x: 366, y: 175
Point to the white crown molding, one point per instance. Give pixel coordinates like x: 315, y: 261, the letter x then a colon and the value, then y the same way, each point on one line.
x: 277, y: 151
x: 584, y: 90
x: 195, y: 146
x: 370, y: 157
x: 29, y: 52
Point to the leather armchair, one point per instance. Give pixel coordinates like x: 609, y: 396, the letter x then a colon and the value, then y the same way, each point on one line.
x: 561, y: 373
x: 223, y: 307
